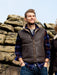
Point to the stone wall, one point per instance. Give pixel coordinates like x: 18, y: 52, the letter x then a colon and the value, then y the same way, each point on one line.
x: 8, y: 34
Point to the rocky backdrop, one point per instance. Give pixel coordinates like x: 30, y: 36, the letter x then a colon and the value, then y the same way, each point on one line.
x: 8, y: 34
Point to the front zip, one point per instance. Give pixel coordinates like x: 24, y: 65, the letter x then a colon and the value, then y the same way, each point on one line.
x: 34, y: 48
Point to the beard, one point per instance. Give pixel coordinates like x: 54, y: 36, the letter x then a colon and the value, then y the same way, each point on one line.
x: 31, y: 23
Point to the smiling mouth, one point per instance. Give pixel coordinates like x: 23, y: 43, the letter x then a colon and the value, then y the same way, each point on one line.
x: 32, y: 20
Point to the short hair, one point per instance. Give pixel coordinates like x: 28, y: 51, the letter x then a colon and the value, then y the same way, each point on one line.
x: 30, y: 10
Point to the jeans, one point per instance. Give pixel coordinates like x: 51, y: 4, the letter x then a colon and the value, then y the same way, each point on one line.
x: 55, y: 73
x: 34, y: 71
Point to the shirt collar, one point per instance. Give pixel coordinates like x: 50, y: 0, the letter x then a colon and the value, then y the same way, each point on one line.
x: 36, y: 26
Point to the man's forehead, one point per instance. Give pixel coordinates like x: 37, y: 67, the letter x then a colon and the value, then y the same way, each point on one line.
x: 30, y: 13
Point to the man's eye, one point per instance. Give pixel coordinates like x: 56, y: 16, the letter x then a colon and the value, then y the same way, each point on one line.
x: 33, y: 15
x: 29, y: 16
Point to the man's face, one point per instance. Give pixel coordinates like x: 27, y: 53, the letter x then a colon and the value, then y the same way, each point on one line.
x: 31, y: 18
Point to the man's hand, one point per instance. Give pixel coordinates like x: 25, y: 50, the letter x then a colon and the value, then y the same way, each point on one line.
x: 21, y: 62
x: 46, y: 62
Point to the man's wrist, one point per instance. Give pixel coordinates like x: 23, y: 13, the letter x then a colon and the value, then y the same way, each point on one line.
x: 20, y: 59
x: 46, y: 60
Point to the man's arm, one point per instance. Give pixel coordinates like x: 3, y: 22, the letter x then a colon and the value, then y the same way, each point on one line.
x: 18, y: 50
x: 47, y: 47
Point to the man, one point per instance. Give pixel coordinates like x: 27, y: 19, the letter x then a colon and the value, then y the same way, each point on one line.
x: 32, y: 47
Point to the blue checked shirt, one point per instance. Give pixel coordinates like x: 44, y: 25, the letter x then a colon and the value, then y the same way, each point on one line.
x: 18, y: 49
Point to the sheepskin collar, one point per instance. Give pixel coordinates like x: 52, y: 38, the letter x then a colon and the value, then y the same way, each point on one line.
x: 55, y: 37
